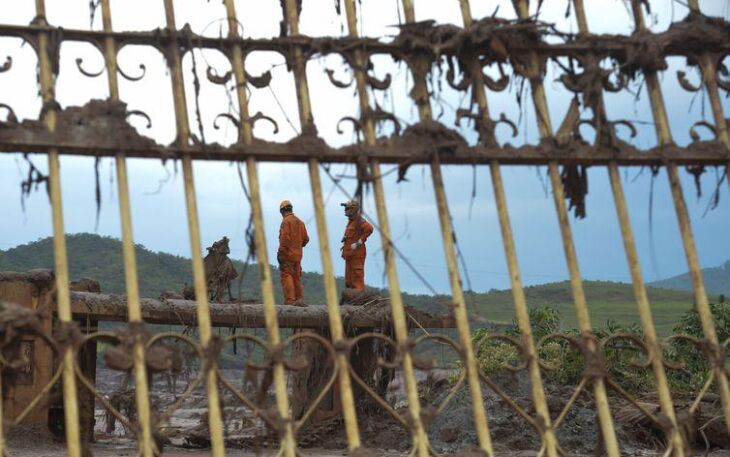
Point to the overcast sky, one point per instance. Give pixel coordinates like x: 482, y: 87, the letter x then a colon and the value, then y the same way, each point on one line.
x: 157, y: 191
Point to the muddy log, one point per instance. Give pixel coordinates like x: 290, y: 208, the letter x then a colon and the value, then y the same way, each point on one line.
x: 110, y: 307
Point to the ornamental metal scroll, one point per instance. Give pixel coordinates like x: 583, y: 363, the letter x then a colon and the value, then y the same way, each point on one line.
x: 520, y: 49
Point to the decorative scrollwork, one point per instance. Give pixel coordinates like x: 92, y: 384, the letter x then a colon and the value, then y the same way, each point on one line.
x: 394, y: 363
x: 251, y: 120
x: 637, y: 343
x: 213, y: 76
x: 113, y: 338
x: 696, y: 136
x: 618, y: 86
x: 141, y: 114
x: 259, y: 116
x: 356, y: 125
x: 510, y: 341
x: 90, y: 74
x: 504, y: 120
x: 380, y: 115
x: 129, y: 77
x: 431, y: 365
x: 255, y: 405
x: 11, y: 117
x: 261, y: 81
x: 628, y: 124
x: 379, y: 84
x: 722, y: 72
x: 686, y: 84
x: 335, y: 82
x: 7, y: 65
x: 497, y: 85
x: 301, y: 364
x: 276, y: 354
x: 462, y: 85
x: 197, y: 380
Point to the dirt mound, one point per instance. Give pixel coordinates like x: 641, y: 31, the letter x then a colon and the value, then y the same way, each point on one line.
x: 29, y: 436
x: 453, y: 429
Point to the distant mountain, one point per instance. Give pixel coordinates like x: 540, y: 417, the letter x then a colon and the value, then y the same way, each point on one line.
x: 101, y: 258
x: 717, y: 280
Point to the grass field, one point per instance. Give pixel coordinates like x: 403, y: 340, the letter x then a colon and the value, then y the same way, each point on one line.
x: 100, y: 258
x: 606, y: 301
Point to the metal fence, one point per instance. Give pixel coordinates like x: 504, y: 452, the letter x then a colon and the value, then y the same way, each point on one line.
x: 521, y: 45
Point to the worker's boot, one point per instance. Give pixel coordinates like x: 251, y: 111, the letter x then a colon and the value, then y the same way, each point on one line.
x: 299, y: 302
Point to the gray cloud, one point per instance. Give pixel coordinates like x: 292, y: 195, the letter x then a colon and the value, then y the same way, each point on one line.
x: 159, y: 217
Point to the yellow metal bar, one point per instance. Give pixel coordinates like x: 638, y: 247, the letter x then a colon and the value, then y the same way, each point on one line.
x: 545, y: 130
x: 664, y: 137
x: 420, y: 436
x: 215, y: 421
x: 333, y: 309
x: 146, y: 445
x: 70, y: 397
x: 288, y: 443
x: 599, y: 389
x: 460, y: 313
x: 709, y: 77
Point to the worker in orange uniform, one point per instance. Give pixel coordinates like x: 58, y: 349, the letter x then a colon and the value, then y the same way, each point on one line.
x: 292, y: 238
x: 353, y: 245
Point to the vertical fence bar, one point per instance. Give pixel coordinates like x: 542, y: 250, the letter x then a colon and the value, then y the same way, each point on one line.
x: 582, y: 313
x: 664, y: 137
x: 545, y: 128
x: 709, y: 78
x: 660, y: 119
x: 306, y: 119
x: 521, y: 310
x: 460, y: 314
x: 215, y: 421
x: 146, y: 445
x: 420, y: 436
x: 70, y: 396
x: 288, y: 443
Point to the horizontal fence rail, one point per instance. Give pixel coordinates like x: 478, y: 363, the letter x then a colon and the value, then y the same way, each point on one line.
x: 587, y: 66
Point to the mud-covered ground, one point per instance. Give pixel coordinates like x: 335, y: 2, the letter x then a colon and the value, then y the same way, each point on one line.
x: 449, y: 432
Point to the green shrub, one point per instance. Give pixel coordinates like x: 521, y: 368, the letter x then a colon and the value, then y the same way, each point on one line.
x: 564, y: 364
x: 695, y: 366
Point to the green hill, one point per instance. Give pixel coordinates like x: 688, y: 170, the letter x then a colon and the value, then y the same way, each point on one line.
x: 101, y: 258
x: 717, y: 280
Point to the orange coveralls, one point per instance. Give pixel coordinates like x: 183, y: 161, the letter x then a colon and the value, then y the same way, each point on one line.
x: 292, y: 238
x: 357, y: 229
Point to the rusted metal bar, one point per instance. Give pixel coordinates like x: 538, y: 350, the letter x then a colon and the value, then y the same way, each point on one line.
x: 70, y: 394
x: 147, y: 447
x: 84, y: 141
x: 215, y: 420
x: 601, y: 44
x: 400, y: 327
